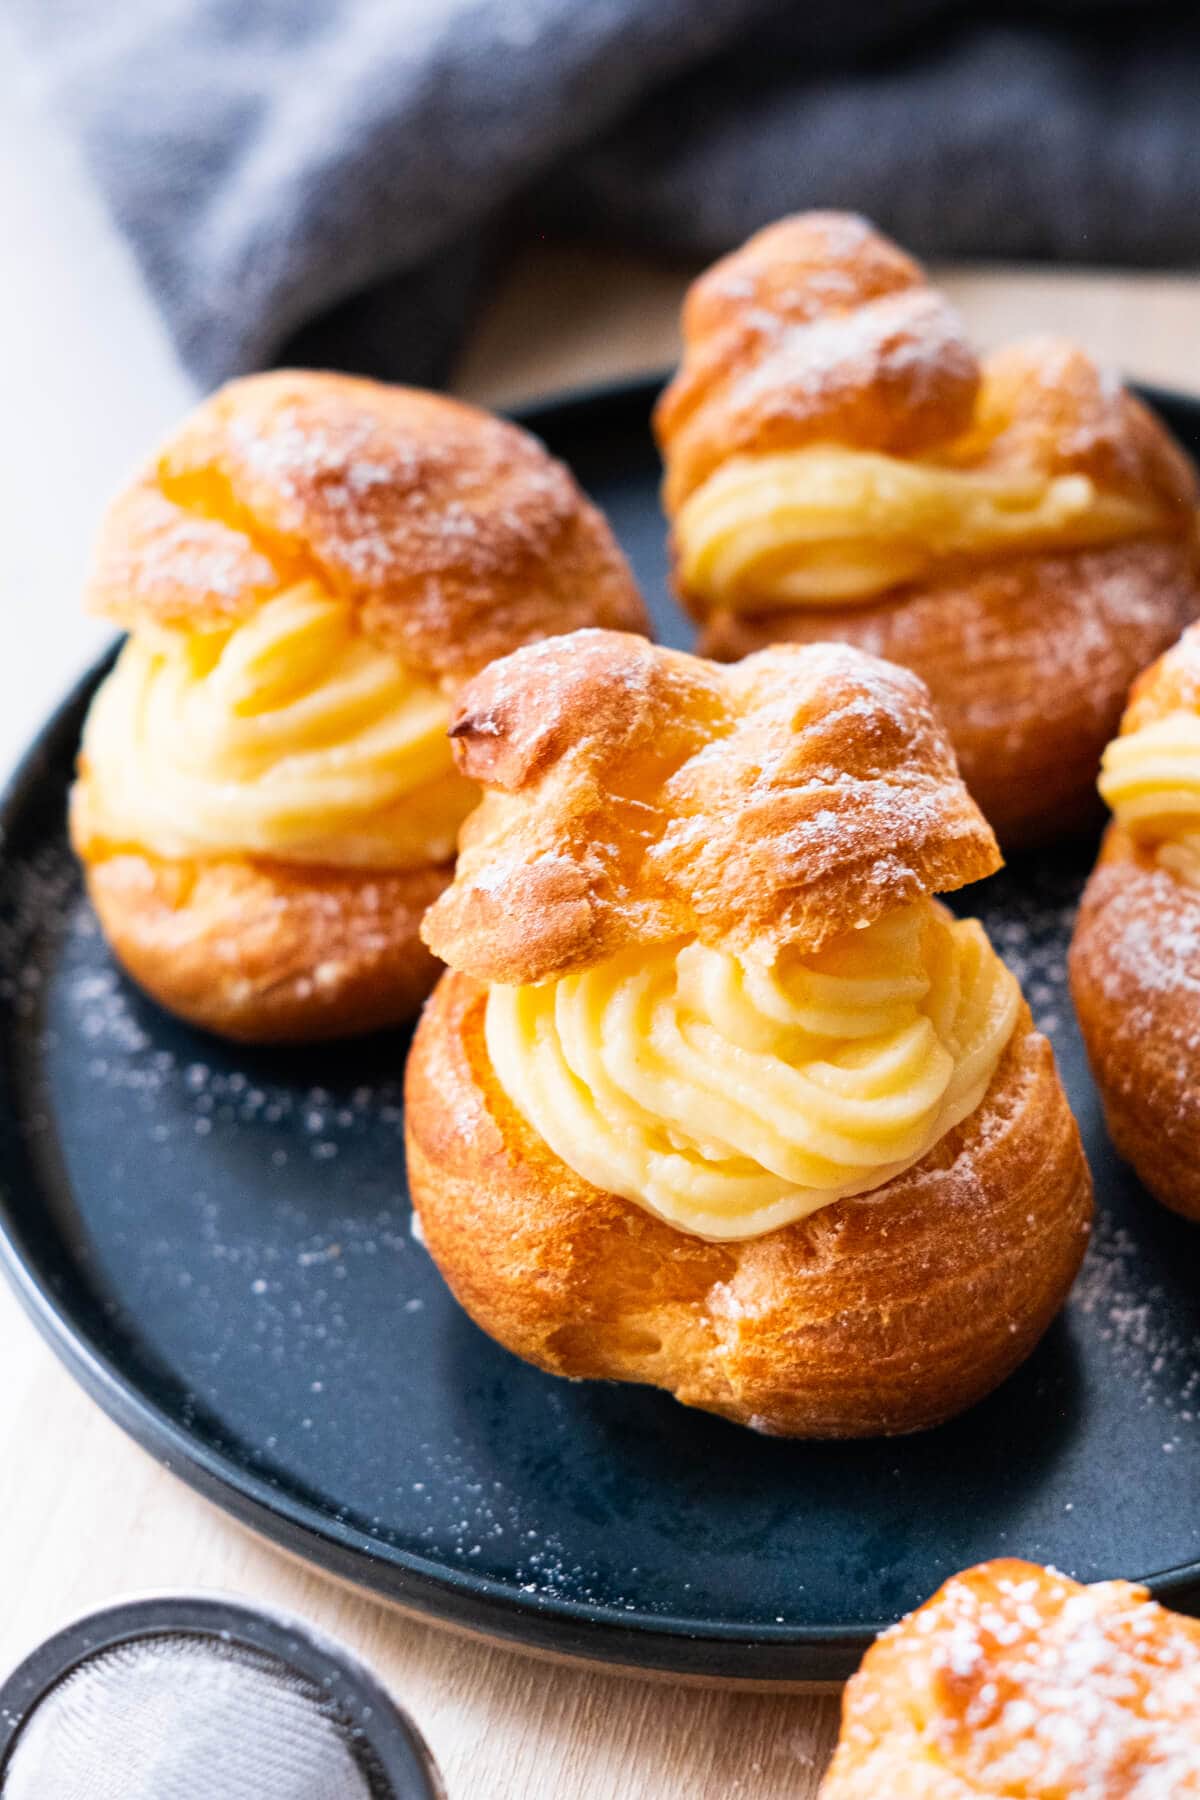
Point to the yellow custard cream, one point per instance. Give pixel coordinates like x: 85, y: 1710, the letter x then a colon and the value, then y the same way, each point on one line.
x: 732, y: 1097
x: 808, y: 527
x: 290, y: 737
x: 1151, y: 780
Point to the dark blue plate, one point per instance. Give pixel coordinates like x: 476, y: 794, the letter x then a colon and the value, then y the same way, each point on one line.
x: 217, y: 1243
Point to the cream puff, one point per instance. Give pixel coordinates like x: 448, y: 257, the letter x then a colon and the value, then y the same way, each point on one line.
x: 839, y: 464
x: 1135, y: 955
x: 715, y: 1095
x: 266, y: 798
x: 1014, y: 1680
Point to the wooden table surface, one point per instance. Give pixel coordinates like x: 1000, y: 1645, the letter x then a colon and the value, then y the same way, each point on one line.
x: 87, y: 1516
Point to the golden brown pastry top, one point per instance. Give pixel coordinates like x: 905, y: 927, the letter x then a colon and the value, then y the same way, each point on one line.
x: 819, y: 330
x: 1172, y: 684
x: 455, y: 533
x: 1045, y: 407
x: 1014, y: 1680
x: 636, y: 794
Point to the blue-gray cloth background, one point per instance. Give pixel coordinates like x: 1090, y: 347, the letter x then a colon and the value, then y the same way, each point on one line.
x: 335, y: 182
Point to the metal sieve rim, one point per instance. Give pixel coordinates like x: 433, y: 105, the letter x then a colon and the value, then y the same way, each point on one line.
x: 390, y: 1735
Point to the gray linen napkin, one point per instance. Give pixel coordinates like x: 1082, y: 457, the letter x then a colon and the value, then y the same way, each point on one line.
x: 329, y: 182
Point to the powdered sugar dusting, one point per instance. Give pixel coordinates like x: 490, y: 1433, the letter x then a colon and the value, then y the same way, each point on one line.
x: 1041, y: 1687
x: 910, y: 342
x: 1126, y: 1311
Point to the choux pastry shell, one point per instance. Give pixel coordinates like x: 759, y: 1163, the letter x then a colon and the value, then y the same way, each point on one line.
x: 308, y: 570
x: 745, y: 841
x: 1019, y: 530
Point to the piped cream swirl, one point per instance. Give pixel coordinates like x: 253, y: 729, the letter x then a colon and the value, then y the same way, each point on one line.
x: 289, y: 736
x: 1151, y: 779
x: 808, y: 527
x: 731, y: 1097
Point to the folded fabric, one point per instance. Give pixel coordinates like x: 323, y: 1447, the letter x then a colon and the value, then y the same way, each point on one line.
x: 327, y: 181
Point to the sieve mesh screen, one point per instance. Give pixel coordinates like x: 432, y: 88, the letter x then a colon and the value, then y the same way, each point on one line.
x: 174, y: 1716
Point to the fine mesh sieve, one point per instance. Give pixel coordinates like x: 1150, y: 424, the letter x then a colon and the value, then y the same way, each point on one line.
x: 175, y: 1696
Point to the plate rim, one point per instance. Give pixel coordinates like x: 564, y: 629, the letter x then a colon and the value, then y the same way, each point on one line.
x: 578, y: 1630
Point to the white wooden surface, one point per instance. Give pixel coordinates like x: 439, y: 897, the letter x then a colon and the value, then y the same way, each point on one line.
x: 88, y: 382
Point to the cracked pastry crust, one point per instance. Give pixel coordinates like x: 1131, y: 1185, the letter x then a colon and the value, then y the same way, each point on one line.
x: 1015, y: 1680
x: 839, y: 464
x: 309, y: 569
x: 635, y: 796
x: 1135, y: 954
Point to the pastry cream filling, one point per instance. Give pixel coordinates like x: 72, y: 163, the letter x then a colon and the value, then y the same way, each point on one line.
x: 806, y: 527
x: 731, y: 1096
x: 289, y: 736
x: 1151, y: 780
